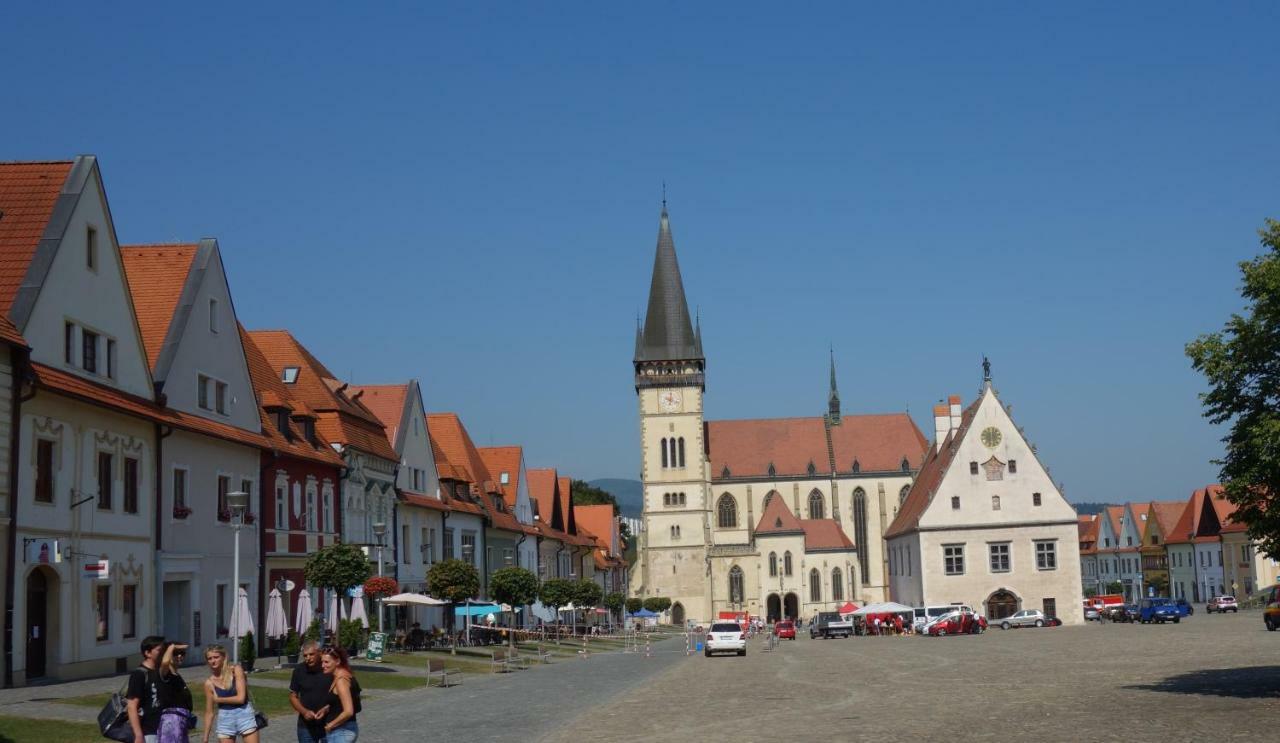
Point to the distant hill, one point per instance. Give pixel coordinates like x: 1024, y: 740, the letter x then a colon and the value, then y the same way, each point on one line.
x: 1085, y: 509
x: 630, y: 494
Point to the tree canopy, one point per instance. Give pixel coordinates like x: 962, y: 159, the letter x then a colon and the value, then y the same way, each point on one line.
x: 339, y: 567
x: 557, y: 592
x: 657, y: 604
x: 634, y: 604
x: 1241, y: 364
x: 587, y: 593
x: 586, y: 494
x: 453, y: 580
x: 514, y: 586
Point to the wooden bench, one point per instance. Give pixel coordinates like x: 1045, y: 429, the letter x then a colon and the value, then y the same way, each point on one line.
x: 518, y: 661
x: 437, y: 670
x: 500, y: 663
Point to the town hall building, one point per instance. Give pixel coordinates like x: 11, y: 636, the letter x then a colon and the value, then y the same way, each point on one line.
x: 776, y: 517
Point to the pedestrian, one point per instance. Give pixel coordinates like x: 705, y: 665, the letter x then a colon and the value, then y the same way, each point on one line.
x: 309, y: 694
x: 143, y: 691
x: 343, y: 702
x: 175, y: 698
x: 227, y: 691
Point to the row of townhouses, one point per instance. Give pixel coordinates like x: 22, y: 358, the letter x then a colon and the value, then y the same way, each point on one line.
x: 1193, y: 549
x: 134, y: 403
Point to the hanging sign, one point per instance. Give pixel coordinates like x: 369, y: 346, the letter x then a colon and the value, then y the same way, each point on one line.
x: 42, y: 551
x: 96, y: 569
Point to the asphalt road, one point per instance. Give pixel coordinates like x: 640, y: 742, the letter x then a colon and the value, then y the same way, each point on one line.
x: 1208, y: 678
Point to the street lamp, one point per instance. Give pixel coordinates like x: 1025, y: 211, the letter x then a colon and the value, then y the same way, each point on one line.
x: 379, y: 531
x: 237, y: 504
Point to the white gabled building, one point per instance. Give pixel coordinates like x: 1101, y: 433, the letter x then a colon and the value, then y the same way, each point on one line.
x: 983, y: 524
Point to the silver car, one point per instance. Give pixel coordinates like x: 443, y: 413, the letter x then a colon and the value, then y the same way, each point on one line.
x: 1024, y: 618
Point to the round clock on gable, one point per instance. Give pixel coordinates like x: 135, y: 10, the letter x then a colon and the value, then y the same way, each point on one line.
x: 669, y: 401
x: 991, y: 437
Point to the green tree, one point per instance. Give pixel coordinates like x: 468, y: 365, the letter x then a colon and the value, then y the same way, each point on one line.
x: 454, y: 581
x: 556, y: 593
x: 585, y: 494
x: 587, y: 594
x: 1241, y: 363
x: 614, y: 603
x: 339, y: 567
x: 634, y: 605
x: 657, y: 604
x: 515, y: 586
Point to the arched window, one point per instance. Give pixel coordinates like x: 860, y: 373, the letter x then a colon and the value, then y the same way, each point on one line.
x: 675, y: 532
x: 773, y: 564
x: 816, y: 508
x: 682, y: 500
x: 815, y: 586
x: 837, y: 585
x: 860, y: 532
x: 664, y: 453
x: 727, y: 509
x: 735, y: 585
x: 995, y: 503
x: 902, y: 494
x: 786, y: 563
x: 681, y: 452
x: 767, y: 497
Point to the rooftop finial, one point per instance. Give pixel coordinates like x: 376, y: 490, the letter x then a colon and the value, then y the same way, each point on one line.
x: 664, y: 196
x: 986, y: 368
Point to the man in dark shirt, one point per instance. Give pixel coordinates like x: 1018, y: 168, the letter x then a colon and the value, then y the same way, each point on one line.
x: 308, y: 692
x: 143, y: 692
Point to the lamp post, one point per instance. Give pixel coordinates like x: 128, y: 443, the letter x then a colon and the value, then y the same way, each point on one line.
x: 237, y: 503
x: 379, y: 531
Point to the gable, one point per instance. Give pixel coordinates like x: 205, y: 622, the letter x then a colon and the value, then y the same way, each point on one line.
x: 995, y: 476
x: 29, y: 194
x: 60, y: 287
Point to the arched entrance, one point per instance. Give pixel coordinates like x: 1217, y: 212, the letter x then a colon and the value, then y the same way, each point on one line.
x: 677, y: 614
x: 42, y: 614
x: 791, y: 606
x: 773, y: 607
x: 1001, y: 604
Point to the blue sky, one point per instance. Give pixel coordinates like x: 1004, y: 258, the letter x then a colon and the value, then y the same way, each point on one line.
x: 470, y: 196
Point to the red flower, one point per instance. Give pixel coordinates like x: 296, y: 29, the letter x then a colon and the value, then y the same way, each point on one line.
x: 380, y: 586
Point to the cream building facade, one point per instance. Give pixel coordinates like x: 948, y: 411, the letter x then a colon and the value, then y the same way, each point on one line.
x: 984, y: 525
x: 777, y: 517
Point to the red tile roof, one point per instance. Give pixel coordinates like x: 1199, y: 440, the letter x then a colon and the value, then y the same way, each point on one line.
x: 73, y: 386
x: 542, y: 490
x: 824, y: 534
x: 877, y: 442
x: 1166, y: 515
x: 156, y: 276
x: 28, y: 192
x: 424, y: 500
x: 9, y: 333
x: 451, y: 437
x: 776, y: 518
x: 1184, y: 531
x: 385, y: 401
x: 1088, y: 525
x: 272, y: 393
x: 338, y: 418
x: 937, y: 461
x: 500, y: 459
x: 599, y: 521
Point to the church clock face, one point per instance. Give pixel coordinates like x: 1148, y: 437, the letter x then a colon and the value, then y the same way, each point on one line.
x: 669, y: 401
x: 991, y: 437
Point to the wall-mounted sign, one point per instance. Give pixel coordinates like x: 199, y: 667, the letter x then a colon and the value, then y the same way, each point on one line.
x: 42, y: 551
x: 98, y: 569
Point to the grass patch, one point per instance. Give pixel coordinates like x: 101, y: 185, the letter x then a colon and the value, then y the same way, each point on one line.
x: 269, y: 701
x: 368, y: 680
x: 17, y: 729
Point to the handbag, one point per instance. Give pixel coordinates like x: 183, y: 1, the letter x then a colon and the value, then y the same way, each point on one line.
x: 259, y: 719
x: 113, y: 720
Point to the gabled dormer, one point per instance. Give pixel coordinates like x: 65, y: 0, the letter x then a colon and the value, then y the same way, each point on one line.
x: 65, y: 290
x: 400, y: 409
x: 506, y: 465
x: 1133, y: 523
x: 190, y: 331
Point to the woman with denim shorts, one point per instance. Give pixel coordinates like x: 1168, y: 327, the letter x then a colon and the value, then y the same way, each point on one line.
x: 229, y: 690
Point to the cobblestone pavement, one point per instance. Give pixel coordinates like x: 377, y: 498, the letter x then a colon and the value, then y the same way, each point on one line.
x: 1207, y: 678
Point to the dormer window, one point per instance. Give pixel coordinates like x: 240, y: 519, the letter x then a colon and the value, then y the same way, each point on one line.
x: 308, y: 429
x: 906, y: 465
x: 505, y: 478
x: 290, y: 375
x: 282, y: 421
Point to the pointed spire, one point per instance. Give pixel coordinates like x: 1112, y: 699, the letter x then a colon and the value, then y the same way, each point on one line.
x: 833, y: 398
x: 668, y: 333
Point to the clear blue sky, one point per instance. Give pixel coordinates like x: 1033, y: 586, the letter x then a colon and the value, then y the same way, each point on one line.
x: 470, y: 197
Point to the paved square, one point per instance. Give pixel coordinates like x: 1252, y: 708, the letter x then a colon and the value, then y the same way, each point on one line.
x: 1207, y: 678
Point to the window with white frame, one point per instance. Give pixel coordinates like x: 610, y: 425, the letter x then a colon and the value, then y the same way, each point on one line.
x: 1046, y: 555
x: 469, y: 547
x: 953, y: 559
x: 311, y: 505
x: 326, y: 501
x: 282, y: 501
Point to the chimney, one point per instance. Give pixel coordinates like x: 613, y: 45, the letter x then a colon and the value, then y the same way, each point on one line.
x: 941, y: 425
x: 954, y: 402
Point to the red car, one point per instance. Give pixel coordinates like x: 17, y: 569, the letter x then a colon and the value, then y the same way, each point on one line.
x: 957, y: 623
x: 785, y: 630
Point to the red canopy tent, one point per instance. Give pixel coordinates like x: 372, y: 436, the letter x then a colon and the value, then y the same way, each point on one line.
x: 848, y: 608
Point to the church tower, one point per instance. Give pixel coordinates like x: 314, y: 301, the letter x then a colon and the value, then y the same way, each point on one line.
x: 669, y: 381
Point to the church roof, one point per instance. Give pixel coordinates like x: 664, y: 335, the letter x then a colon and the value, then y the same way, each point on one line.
x: 668, y: 333
x: 937, y: 461
x: 824, y: 534
x: 878, y: 443
x: 776, y: 518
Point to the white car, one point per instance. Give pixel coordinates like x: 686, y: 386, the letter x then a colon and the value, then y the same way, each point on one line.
x: 1090, y: 613
x: 725, y: 637
x: 1024, y: 618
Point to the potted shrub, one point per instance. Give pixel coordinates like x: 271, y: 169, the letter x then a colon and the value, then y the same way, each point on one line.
x: 292, y: 646
x: 315, y: 631
x: 248, y: 652
x: 349, y: 631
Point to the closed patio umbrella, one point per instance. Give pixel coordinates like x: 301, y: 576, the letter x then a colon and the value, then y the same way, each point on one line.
x: 241, y: 619
x: 333, y: 617
x: 357, y: 612
x: 276, y: 624
x: 303, y: 617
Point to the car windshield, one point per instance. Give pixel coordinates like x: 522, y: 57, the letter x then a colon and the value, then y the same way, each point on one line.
x: 725, y: 627
x: 784, y: 625
x: 938, y: 611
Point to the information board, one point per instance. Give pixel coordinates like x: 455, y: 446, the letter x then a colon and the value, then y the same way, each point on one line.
x: 377, y: 641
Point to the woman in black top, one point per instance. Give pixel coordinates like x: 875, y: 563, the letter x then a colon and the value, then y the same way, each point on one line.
x: 175, y: 697
x: 344, y: 698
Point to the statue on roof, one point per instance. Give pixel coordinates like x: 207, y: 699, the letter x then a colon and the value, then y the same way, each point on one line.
x: 986, y: 369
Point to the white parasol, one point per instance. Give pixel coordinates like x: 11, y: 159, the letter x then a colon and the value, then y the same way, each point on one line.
x: 418, y: 599
x: 276, y: 624
x: 333, y: 617
x: 241, y: 619
x: 303, y: 618
x: 357, y: 612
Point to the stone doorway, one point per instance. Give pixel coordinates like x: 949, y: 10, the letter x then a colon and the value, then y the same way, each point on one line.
x: 791, y: 606
x: 773, y: 607
x: 677, y: 614
x: 1001, y: 604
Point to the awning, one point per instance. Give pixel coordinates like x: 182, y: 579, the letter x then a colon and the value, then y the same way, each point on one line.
x: 848, y: 608
x: 477, y: 610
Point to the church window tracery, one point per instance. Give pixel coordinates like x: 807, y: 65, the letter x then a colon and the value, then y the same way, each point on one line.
x: 902, y: 494
x: 680, y: 451
x: 727, y: 509
x: 786, y: 563
x: 735, y: 585
x: 860, y: 531
x: 773, y: 564
x: 815, y: 586
x: 817, y: 508
x: 837, y: 585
